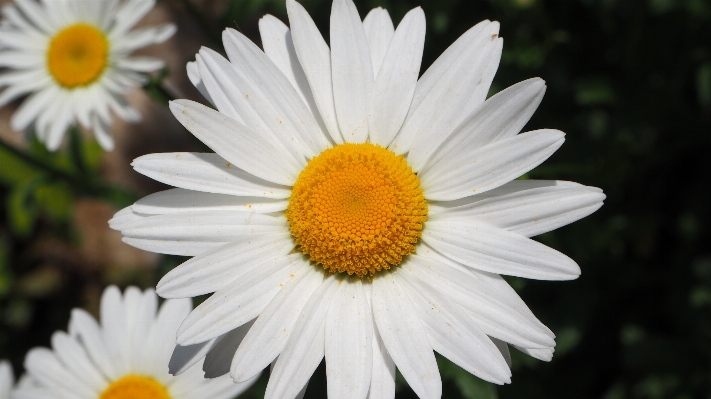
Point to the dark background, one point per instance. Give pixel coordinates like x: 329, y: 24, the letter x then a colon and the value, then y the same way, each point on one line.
x: 629, y: 81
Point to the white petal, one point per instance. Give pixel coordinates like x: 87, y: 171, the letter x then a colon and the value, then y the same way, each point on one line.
x: 268, y: 337
x: 141, y: 64
x: 488, y: 299
x: 31, y: 392
x: 124, y: 217
x: 195, y: 78
x: 58, y: 128
x: 184, y: 357
x: 545, y: 354
x: 60, y: 12
x: 349, y: 342
x: 397, y: 79
x: 37, y: 15
x: 453, y: 86
x: 7, y: 379
x: 105, y: 10
x: 48, y: 371
x: 83, y: 99
x: 453, y: 334
x: 72, y: 354
x: 114, y: 328
x: 240, y: 301
x: 279, y: 47
x: 206, y: 172
x: 245, y: 148
x: 314, y: 56
x: 129, y: 14
x: 23, y: 40
x: 302, y: 393
x: 102, y: 134
x: 218, y: 360
x: 504, y: 349
x: 305, y: 348
x: 31, y: 108
x: 404, y: 336
x: 181, y: 200
x: 209, y: 227
x: 22, y: 87
x: 500, y: 117
x: 382, y: 382
x: 233, y: 90
x: 352, y: 71
x: 213, y: 270
x: 526, y: 207
x: 473, y: 171
x: 9, y: 78
x: 120, y: 81
x: 219, y: 86
x: 81, y: 324
x: 379, y: 31
x: 484, y: 247
x: 27, y: 40
x: 273, y: 97
x: 141, y: 308
x: 122, y: 108
x: 159, y: 343
x: 143, y: 37
x: 255, y: 105
x: 17, y: 18
x: 173, y: 247
x: 218, y: 388
x: 315, y: 59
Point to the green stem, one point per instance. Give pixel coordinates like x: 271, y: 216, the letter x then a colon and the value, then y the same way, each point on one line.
x: 158, y: 92
x: 86, y: 185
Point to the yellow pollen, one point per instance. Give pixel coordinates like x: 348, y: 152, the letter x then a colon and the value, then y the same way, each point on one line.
x: 77, y: 55
x: 357, y: 208
x: 135, y: 387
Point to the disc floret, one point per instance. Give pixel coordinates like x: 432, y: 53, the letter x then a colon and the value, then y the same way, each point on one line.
x: 77, y: 55
x: 357, y: 209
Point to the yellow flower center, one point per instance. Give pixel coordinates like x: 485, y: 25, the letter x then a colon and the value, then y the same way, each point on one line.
x: 135, y: 387
x: 77, y: 55
x: 357, y: 208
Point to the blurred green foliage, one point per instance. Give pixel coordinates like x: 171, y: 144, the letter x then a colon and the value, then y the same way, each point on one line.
x: 629, y: 81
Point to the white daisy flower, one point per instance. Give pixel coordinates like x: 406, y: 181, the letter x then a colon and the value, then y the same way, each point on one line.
x: 353, y: 212
x: 72, y: 58
x: 7, y: 379
x: 124, y: 357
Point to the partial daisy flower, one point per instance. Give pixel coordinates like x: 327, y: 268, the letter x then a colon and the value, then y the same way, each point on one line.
x: 72, y: 58
x: 124, y: 357
x: 353, y: 212
x: 7, y: 379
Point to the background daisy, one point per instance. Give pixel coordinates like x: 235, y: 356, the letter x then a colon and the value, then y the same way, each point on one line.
x: 401, y: 189
x: 125, y: 356
x: 7, y: 379
x: 73, y: 58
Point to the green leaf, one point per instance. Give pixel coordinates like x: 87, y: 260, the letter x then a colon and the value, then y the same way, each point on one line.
x: 22, y: 209
x: 594, y: 91
x: 703, y: 84
x: 6, y: 277
x: 154, y: 87
x: 55, y: 199
x: 14, y: 169
x: 76, y: 150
